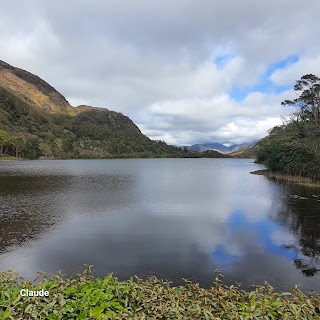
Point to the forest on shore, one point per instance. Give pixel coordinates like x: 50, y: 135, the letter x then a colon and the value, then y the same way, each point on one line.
x: 293, y: 148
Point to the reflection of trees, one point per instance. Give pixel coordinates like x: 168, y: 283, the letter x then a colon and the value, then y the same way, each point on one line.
x: 30, y: 206
x: 302, y: 218
x: 25, y: 211
x: 22, y: 228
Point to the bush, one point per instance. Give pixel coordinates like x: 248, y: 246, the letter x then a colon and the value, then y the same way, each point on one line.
x: 83, y: 297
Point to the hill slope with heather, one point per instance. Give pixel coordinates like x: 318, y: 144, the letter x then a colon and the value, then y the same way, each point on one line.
x: 37, y: 121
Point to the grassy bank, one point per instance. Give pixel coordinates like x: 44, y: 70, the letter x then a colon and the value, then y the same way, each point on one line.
x: 83, y: 297
x: 288, y: 178
x: 9, y: 158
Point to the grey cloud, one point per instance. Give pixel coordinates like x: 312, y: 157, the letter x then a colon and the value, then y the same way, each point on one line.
x: 132, y: 56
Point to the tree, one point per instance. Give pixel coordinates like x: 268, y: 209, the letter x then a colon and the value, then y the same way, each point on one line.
x: 31, y: 148
x: 5, y: 140
x: 19, y: 143
x: 294, y: 147
x: 308, y: 102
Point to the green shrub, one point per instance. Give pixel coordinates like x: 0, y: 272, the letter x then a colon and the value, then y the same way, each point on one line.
x: 83, y: 297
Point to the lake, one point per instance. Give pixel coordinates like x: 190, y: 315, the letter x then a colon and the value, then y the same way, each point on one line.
x: 173, y: 218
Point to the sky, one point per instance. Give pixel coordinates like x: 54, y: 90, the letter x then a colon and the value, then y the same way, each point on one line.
x: 185, y: 71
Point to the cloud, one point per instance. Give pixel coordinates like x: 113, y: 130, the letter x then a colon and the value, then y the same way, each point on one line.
x: 306, y: 65
x: 220, y: 118
x: 169, y: 66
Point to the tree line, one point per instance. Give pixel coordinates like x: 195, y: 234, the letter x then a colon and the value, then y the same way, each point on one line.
x: 19, y: 147
x: 294, y: 147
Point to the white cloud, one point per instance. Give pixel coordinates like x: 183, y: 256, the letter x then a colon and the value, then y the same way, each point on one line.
x: 306, y: 65
x: 154, y: 61
x: 219, y: 118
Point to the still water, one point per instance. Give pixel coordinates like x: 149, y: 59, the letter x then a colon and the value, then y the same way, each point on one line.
x: 173, y: 218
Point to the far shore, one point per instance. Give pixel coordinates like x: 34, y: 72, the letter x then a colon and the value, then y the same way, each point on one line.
x: 281, y: 177
x: 111, y: 158
x: 9, y: 158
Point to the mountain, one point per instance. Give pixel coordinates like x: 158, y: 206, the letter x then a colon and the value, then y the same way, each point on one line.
x: 32, y: 90
x: 247, y: 151
x: 208, y: 146
x: 37, y: 121
x: 218, y: 147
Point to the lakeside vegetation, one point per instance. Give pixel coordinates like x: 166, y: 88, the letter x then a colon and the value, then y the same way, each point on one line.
x: 288, y: 179
x: 3, y: 157
x: 84, y: 297
x: 293, y: 149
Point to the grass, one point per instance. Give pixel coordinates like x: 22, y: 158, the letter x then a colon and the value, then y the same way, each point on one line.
x: 300, y: 180
x: 84, y: 297
x: 8, y: 158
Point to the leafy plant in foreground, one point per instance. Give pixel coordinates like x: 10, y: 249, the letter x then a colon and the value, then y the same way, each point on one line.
x: 83, y: 297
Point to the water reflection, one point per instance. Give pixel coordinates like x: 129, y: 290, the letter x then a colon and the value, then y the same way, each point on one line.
x: 26, y: 208
x: 32, y: 207
x: 258, y: 235
x: 302, y: 218
x: 177, y: 218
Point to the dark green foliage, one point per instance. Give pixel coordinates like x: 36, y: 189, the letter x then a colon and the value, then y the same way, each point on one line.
x: 83, y: 297
x: 93, y: 133
x: 308, y: 103
x: 6, y: 142
x: 31, y: 148
x: 294, y: 147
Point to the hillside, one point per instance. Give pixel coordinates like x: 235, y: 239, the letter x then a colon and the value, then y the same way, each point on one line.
x: 248, y: 151
x: 37, y: 121
x: 32, y: 89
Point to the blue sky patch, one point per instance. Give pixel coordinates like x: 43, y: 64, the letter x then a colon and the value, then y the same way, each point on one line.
x: 221, y: 60
x: 282, y: 64
x: 264, y: 84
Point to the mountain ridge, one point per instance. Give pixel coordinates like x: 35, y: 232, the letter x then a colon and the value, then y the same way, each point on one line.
x: 38, y: 121
x: 200, y: 147
x: 32, y: 89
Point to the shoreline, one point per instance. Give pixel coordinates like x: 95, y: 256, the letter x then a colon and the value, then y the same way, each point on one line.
x: 9, y: 158
x: 296, y: 180
x: 111, y: 158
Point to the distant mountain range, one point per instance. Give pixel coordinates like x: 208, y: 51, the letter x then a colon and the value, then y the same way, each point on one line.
x: 219, y: 147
